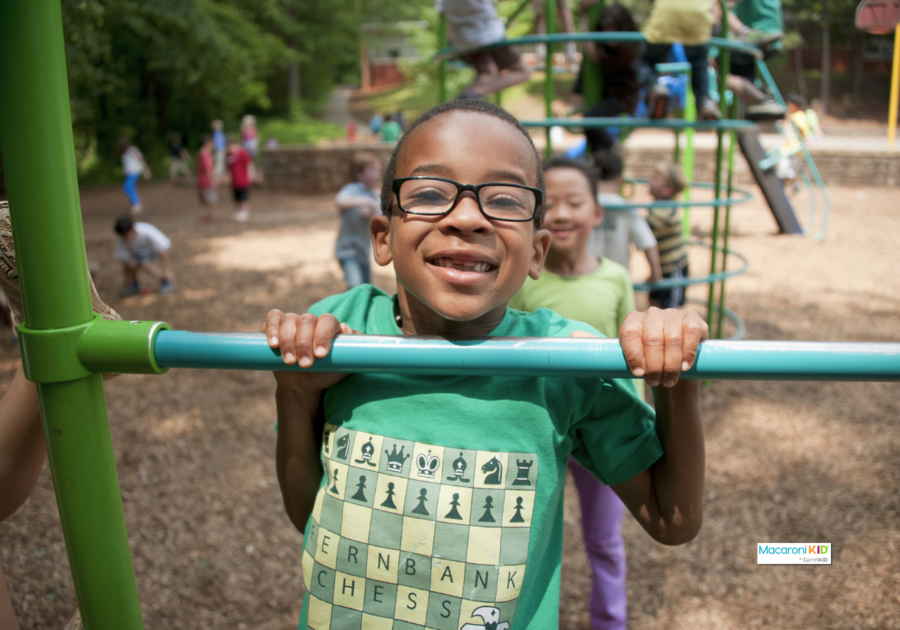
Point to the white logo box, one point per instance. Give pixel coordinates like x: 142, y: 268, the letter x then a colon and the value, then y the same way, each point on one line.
x: 793, y: 553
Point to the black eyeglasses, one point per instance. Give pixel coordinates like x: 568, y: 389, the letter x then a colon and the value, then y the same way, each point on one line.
x: 433, y: 196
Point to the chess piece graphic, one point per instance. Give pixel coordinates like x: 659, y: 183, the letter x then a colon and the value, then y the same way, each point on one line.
x: 522, y: 474
x: 454, y: 513
x: 427, y: 464
x: 342, y: 443
x: 366, y: 451
x: 491, y: 618
x: 360, y: 495
x: 334, y: 488
x: 396, y: 460
x: 389, y: 502
x: 487, y: 517
x: 325, y: 437
x: 494, y: 470
x: 420, y: 509
x: 518, y: 516
x: 459, y: 469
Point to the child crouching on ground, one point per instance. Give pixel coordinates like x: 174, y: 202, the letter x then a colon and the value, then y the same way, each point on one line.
x: 585, y: 288
x: 665, y: 183
x: 140, y: 246
x: 435, y: 500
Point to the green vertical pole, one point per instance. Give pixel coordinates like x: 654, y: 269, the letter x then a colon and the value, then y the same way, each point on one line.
x: 726, y: 231
x: 39, y: 160
x: 442, y: 67
x: 550, y: 18
x: 690, y: 113
x: 724, y: 68
x: 592, y: 77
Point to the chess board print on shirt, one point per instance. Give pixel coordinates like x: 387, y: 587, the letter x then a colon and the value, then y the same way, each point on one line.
x: 406, y: 535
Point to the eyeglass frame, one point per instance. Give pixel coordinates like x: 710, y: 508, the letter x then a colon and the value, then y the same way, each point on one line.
x: 474, y: 188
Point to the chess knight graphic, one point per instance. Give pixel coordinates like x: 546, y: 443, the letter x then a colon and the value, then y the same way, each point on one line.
x: 491, y: 617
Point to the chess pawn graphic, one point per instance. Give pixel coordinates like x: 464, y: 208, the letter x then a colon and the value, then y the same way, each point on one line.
x: 427, y: 464
x: 334, y: 479
x: 396, y: 460
x: 454, y: 513
x: 517, y: 517
x: 360, y: 495
x: 487, y: 517
x: 389, y: 502
x: 420, y: 509
x: 459, y: 469
x: 366, y: 451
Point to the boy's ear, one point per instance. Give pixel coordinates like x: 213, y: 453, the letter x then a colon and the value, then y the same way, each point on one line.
x: 380, y: 230
x: 599, y: 218
x: 539, y: 248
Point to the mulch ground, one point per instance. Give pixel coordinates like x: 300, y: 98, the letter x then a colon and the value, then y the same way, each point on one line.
x: 786, y: 462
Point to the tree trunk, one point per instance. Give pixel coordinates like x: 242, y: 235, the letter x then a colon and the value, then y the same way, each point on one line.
x: 798, y: 67
x: 826, y: 57
x: 859, y: 67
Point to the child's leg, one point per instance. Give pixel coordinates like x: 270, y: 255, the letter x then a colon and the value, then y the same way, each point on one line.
x: 601, y: 521
x: 353, y: 274
x: 130, y: 188
x: 698, y: 56
x: 22, y: 449
x: 599, y: 139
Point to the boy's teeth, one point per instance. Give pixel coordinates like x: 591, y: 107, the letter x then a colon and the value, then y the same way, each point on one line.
x: 481, y: 267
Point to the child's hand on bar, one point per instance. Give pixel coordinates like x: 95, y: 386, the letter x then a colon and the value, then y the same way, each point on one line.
x: 660, y: 344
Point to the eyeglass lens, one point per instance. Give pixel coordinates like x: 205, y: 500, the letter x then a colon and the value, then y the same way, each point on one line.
x: 432, y: 196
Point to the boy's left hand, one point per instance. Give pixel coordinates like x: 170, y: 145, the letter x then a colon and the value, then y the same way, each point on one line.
x: 659, y: 344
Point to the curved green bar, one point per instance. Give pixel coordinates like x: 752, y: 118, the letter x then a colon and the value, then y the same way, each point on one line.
x: 686, y: 282
x: 600, y: 37
x: 530, y: 357
x: 641, y: 123
x: 672, y: 203
x: 740, y: 326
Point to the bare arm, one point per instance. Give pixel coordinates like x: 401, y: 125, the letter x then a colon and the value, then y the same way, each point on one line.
x: 22, y: 448
x: 166, y: 266
x: 298, y: 398
x: 652, y: 255
x: 251, y: 171
x: 667, y: 498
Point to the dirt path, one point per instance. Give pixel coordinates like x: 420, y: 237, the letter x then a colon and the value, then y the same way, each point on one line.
x: 794, y: 462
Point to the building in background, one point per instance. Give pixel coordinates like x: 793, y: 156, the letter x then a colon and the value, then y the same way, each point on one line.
x: 383, y: 47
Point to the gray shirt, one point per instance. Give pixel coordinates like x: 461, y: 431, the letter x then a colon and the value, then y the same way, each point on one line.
x: 353, y: 239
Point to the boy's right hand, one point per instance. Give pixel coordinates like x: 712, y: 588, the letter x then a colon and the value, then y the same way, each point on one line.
x: 302, y: 339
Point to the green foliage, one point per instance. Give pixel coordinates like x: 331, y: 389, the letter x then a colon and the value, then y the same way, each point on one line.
x: 300, y: 128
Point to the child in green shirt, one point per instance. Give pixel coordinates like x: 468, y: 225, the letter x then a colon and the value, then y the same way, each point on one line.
x: 597, y: 291
x: 436, y: 501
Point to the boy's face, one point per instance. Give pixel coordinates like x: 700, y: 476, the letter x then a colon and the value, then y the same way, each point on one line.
x: 658, y: 188
x: 370, y: 176
x: 130, y: 234
x: 435, y: 258
x: 571, y: 211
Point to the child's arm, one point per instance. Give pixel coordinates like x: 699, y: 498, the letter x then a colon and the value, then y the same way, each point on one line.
x: 251, y: 171
x: 298, y: 398
x: 147, y: 173
x: 652, y: 254
x: 667, y: 498
x: 166, y: 266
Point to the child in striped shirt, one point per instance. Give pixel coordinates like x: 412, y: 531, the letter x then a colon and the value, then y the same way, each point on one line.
x: 666, y: 182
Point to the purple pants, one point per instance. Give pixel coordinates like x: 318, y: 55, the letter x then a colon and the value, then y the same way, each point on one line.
x: 601, y: 521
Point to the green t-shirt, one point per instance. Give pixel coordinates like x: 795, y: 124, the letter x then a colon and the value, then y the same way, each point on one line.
x: 601, y: 299
x: 391, y: 131
x: 442, y: 499
x: 764, y: 15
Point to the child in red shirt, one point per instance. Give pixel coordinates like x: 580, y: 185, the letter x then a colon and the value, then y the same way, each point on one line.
x: 243, y: 174
x: 206, y: 181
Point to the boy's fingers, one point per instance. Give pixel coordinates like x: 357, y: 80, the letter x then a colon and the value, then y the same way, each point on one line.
x: 674, y: 336
x: 695, y: 331
x: 306, y: 330
x: 287, y: 335
x: 326, y: 328
x: 654, y: 345
x: 631, y: 336
x: 273, y: 321
x: 346, y: 330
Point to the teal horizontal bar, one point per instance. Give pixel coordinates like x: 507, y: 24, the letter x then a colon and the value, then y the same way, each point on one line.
x: 625, y: 122
x: 599, y: 37
x: 585, y: 358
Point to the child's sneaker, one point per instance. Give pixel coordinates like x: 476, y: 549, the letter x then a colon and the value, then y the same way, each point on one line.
x: 9, y: 274
x: 132, y: 288
x: 166, y: 287
x: 242, y: 215
x: 658, y: 101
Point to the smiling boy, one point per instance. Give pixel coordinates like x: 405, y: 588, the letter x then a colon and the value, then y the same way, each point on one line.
x: 431, y: 501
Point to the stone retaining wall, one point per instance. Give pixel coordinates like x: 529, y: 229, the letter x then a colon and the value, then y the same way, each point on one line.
x: 321, y: 169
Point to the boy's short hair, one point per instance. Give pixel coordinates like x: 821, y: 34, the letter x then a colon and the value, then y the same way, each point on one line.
x: 477, y: 106
x: 796, y: 99
x: 672, y: 176
x: 362, y: 160
x: 206, y: 138
x: 578, y: 165
x: 123, y: 225
x: 608, y: 164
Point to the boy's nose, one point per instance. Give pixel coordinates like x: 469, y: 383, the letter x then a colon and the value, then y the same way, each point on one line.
x: 467, y: 216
